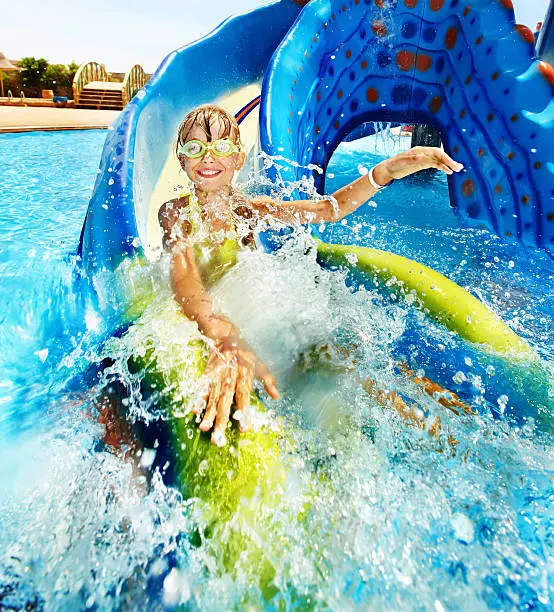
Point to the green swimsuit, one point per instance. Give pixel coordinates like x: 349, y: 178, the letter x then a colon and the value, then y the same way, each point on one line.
x: 214, y: 256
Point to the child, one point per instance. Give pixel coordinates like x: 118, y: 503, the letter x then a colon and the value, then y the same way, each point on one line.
x: 204, y: 232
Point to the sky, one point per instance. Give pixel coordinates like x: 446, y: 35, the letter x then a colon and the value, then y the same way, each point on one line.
x: 121, y: 33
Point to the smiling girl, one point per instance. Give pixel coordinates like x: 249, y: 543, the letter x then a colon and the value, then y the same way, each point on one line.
x: 204, y: 232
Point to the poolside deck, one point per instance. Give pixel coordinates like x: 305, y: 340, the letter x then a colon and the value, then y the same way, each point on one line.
x: 30, y: 119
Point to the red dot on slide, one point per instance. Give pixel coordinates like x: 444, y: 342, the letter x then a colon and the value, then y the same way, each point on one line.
x: 436, y: 5
x: 372, y: 95
x: 451, y: 38
x: 379, y: 28
x: 526, y: 34
x: 547, y: 72
x: 467, y: 188
x: 436, y: 104
x: 405, y: 60
x: 423, y: 62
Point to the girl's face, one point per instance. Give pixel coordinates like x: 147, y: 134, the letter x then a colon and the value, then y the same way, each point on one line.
x: 210, y: 173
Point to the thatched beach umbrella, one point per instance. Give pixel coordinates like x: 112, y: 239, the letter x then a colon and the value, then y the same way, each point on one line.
x: 5, y: 66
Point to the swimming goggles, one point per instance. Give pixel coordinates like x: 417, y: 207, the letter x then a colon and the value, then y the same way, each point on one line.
x: 223, y: 147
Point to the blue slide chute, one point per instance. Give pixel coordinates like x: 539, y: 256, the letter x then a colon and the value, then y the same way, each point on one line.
x: 328, y: 68
x: 545, y: 42
x: 323, y: 71
x: 233, y: 56
x: 466, y: 69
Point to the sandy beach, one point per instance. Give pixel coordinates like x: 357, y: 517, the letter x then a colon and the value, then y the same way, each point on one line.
x: 28, y: 119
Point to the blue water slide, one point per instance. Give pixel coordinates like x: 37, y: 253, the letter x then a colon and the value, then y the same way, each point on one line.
x: 234, y: 55
x: 325, y: 70
x: 545, y: 43
x: 469, y: 70
x: 466, y: 69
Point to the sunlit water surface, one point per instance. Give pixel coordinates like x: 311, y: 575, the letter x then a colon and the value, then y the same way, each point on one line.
x: 396, y: 519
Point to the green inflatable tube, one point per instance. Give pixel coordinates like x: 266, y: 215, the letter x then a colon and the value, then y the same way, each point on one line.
x: 443, y: 300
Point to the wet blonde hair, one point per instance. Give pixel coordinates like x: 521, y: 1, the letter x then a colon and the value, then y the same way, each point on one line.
x: 204, y: 117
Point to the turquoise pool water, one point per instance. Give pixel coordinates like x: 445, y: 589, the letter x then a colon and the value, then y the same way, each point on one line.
x: 46, y: 183
x: 401, y: 525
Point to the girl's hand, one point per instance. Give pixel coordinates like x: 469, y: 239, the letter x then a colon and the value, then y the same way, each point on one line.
x: 231, y: 369
x: 414, y: 160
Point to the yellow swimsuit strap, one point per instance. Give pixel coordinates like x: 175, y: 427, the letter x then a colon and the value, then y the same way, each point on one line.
x: 213, y: 259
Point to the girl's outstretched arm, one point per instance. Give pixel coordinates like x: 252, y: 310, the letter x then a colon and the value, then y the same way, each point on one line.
x: 352, y: 196
x: 232, y: 365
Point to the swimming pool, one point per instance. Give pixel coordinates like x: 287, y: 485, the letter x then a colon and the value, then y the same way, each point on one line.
x: 398, y: 524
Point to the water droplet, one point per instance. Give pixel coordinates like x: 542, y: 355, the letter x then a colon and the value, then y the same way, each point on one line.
x: 463, y: 527
x: 42, y: 354
x: 502, y: 402
x: 92, y: 320
x: 238, y: 415
x: 438, y: 606
x: 176, y: 588
x: 459, y: 378
x: 218, y: 438
x: 147, y: 458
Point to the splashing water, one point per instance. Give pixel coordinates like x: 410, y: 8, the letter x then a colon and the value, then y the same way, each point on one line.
x: 374, y: 513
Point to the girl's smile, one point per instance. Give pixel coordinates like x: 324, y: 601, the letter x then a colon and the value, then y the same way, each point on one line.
x: 208, y: 173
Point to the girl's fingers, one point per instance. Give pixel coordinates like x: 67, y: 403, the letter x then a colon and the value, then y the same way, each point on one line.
x: 451, y: 163
x: 437, y: 155
x: 203, y: 397
x: 230, y: 376
x: 224, y: 405
x: 211, y: 409
x: 247, y: 359
x: 271, y: 386
x: 212, y: 371
x: 263, y: 374
x: 244, y: 388
x: 444, y: 168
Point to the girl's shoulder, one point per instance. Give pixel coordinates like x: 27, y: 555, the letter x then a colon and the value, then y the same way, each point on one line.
x: 173, y: 210
x: 174, y: 219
